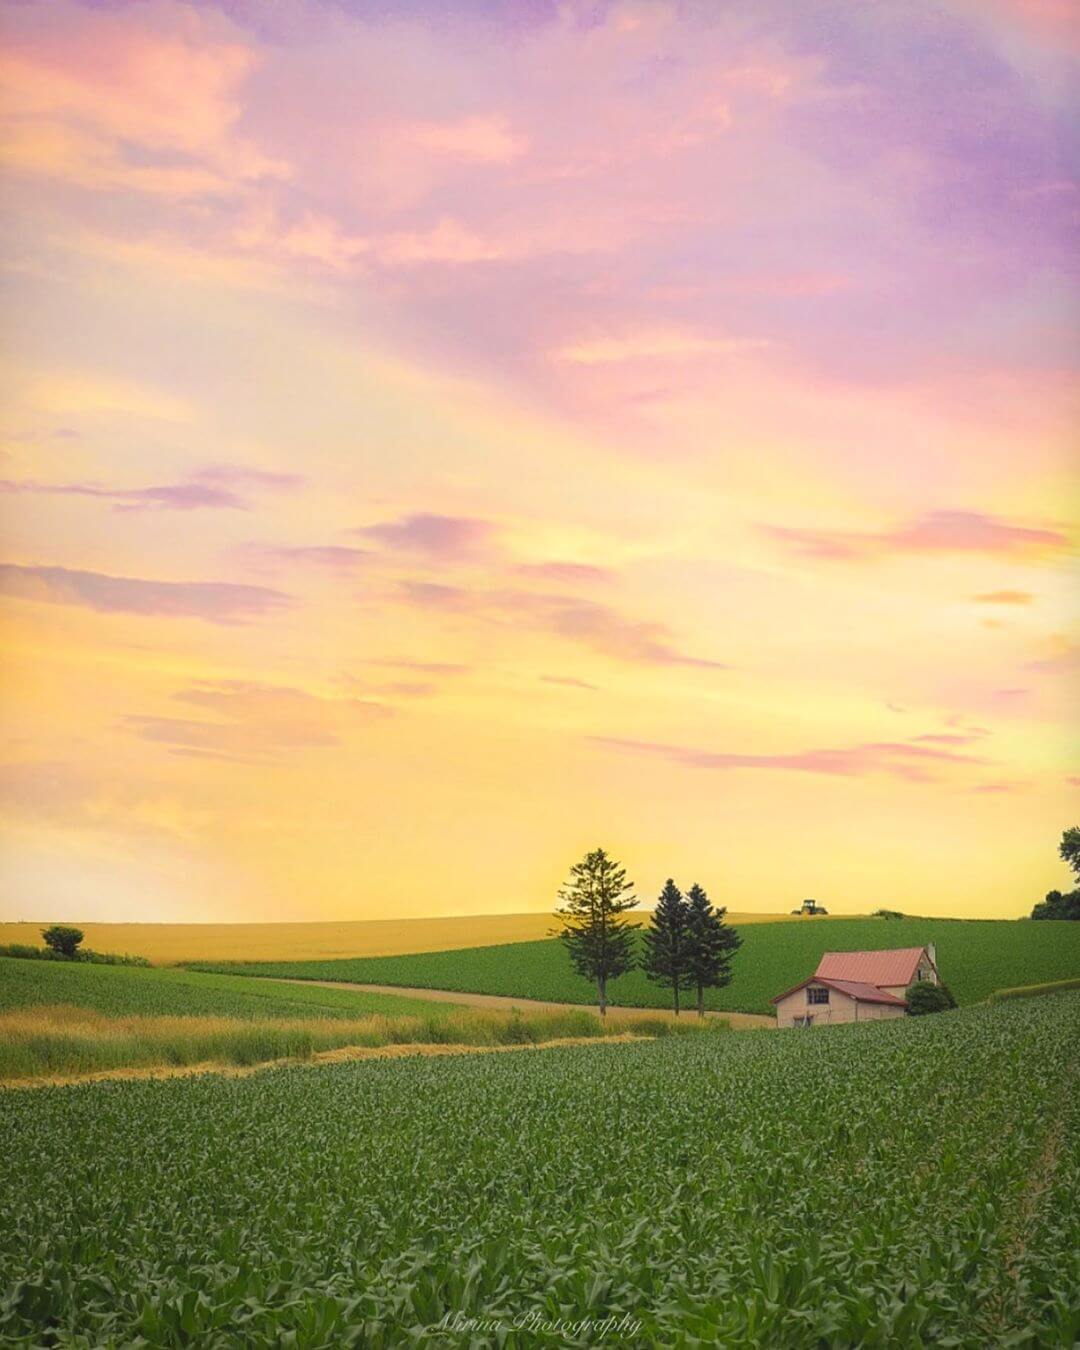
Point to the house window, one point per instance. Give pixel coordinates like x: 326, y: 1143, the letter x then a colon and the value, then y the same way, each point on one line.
x: 817, y: 995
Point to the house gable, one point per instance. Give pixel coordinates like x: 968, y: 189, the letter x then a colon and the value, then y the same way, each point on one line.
x: 888, y: 969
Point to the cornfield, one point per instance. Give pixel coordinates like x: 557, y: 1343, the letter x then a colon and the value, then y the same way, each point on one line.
x: 894, y: 1184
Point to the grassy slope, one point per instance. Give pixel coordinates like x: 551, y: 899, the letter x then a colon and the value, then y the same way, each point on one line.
x: 123, y: 990
x: 171, y: 943
x: 975, y: 958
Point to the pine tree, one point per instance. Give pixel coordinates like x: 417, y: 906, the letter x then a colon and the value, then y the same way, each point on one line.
x: 667, y: 942
x: 712, y: 945
x: 599, y: 940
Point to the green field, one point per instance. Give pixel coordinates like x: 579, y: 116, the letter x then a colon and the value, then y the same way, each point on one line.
x: 120, y: 991
x: 894, y: 1184
x: 975, y: 957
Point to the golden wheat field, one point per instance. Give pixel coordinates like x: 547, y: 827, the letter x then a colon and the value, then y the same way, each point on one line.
x: 170, y: 943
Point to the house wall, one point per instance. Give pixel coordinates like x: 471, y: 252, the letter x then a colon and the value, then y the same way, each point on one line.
x: 840, y: 1008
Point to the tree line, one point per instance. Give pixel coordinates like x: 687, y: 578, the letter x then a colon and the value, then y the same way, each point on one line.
x: 687, y: 945
x: 1056, y: 905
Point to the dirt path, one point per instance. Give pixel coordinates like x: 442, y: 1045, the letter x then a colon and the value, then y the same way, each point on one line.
x: 340, y: 1055
x: 739, y: 1021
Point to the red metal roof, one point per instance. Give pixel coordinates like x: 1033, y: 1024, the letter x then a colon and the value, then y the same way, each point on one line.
x: 862, y: 993
x: 896, y: 967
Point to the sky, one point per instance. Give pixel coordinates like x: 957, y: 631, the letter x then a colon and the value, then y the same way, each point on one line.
x: 441, y: 438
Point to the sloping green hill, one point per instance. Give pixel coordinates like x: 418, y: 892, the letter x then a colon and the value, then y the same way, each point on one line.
x: 975, y: 957
x: 122, y: 990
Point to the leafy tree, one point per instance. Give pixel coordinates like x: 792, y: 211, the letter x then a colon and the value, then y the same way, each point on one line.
x: 62, y: 939
x: 712, y: 945
x: 666, y: 958
x: 926, y: 997
x: 1069, y: 848
x: 600, y: 941
x: 1056, y: 905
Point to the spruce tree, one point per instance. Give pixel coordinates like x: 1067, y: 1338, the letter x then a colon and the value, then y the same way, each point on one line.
x: 667, y: 942
x: 599, y: 940
x: 712, y: 945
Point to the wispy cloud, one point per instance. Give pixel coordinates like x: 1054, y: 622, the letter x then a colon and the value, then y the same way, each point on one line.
x: 936, y: 532
x: 568, y: 682
x: 431, y: 535
x: 223, y: 602
x: 898, y: 759
x: 257, y: 720
x: 1004, y: 598
x: 588, y: 622
x: 213, y: 488
x: 190, y: 496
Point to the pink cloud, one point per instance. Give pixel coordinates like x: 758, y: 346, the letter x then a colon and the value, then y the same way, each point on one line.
x: 488, y: 140
x: 151, y: 106
x: 193, y: 496
x: 221, y: 602
x: 258, y: 720
x: 432, y: 535
x: 950, y: 738
x: 588, y: 622
x: 898, y: 759
x: 936, y: 532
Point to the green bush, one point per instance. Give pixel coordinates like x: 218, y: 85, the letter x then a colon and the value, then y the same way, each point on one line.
x: 62, y: 939
x: 925, y: 997
x: 24, y: 953
x: 1058, y: 906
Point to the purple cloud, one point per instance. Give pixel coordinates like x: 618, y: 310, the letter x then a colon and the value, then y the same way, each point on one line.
x: 899, y: 759
x: 191, y: 496
x: 220, y: 602
x: 242, y: 475
x: 593, y: 624
x: 433, y: 535
x: 937, y: 532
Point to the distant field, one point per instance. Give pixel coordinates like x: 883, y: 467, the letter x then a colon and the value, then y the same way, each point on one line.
x: 124, y: 990
x: 975, y: 958
x: 172, y: 943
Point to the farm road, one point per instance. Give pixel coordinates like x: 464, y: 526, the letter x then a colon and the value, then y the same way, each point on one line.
x: 504, y: 1003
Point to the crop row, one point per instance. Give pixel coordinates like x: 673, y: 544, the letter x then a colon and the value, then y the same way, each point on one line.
x: 892, y: 1184
x: 975, y: 957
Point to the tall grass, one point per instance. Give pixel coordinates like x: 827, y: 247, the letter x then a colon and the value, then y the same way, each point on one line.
x: 1033, y: 990
x: 64, y: 1040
